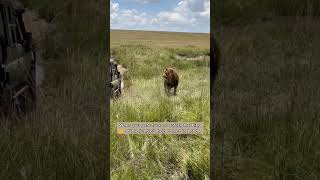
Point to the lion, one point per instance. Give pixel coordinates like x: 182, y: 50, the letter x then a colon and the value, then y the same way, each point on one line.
x: 171, y: 80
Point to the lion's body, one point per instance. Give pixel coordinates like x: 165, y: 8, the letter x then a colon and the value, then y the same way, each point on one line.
x: 171, y: 80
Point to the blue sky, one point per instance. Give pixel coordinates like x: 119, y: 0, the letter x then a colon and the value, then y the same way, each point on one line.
x: 161, y: 15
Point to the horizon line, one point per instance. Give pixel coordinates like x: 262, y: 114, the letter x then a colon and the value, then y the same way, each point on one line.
x: 158, y: 31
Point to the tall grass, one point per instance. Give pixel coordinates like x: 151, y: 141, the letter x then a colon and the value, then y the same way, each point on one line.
x: 268, y: 101
x: 64, y: 138
x: 144, y: 100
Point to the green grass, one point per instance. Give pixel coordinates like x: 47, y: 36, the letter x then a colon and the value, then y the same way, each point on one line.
x: 65, y: 137
x: 190, y: 51
x: 144, y: 100
x: 267, y: 101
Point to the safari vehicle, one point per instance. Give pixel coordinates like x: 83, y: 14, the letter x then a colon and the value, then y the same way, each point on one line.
x: 17, y: 58
x: 115, y: 78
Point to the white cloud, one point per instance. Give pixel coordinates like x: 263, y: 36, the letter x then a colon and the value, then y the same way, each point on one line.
x: 122, y: 18
x: 188, y: 15
x: 146, y: 1
x: 206, y: 12
x: 171, y: 17
x: 197, y: 5
x: 114, y: 8
x: 187, y: 12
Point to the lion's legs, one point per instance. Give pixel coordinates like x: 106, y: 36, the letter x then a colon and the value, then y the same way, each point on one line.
x: 167, y: 88
x: 175, y: 90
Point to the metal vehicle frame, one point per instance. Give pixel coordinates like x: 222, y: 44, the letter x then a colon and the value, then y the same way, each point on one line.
x: 17, y: 57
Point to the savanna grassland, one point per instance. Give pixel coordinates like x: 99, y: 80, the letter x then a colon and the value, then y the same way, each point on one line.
x: 267, y: 96
x: 159, y: 39
x: 65, y: 137
x: 145, y: 55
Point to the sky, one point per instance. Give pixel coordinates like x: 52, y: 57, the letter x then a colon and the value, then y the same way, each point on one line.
x: 161, y: 15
